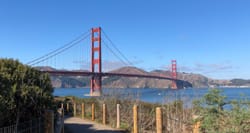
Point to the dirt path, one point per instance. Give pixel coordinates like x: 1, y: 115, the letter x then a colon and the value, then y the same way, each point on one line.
x: 77, y: 125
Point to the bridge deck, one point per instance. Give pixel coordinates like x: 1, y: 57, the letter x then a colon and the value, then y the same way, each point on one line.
x: 77, y: 125
x: 79, y: 73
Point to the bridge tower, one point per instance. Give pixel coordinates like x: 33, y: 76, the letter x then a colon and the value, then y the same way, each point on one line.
x: 174, y: 74
x: 96, y: 62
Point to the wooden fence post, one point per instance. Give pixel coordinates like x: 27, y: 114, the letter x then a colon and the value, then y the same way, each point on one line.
x: 83, y: 111
x: 59, y: 128
x: 118, y: 121
x: 67, y: 107
x: 93, y: 112
x: 135, y: 112
x: 158, y: 120
x: 104, y: 114
x: 196, y: 127
x: 31, y: 126
x: 74, y: 109
x: 62, y: 120
x: 49, y: 121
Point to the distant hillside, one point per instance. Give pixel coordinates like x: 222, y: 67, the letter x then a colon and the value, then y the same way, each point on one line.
x: 240, y: 82
x: 195, y: 80
x: 125, y: 82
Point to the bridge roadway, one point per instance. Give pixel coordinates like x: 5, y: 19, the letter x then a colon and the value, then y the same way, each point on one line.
x: 103, y: 74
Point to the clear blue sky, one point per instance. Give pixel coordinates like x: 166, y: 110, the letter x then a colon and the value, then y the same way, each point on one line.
x: 210, y: 37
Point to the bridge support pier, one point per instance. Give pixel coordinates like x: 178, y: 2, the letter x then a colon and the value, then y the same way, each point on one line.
x: 95, y: 87
x: 96, y: 93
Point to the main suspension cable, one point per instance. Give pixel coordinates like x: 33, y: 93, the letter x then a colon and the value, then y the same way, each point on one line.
x: 114, y: 53
x: 52, y: 54
x: 114, y: 46
x: 58, y: 49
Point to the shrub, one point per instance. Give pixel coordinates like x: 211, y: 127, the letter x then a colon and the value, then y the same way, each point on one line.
x: 24, y: 92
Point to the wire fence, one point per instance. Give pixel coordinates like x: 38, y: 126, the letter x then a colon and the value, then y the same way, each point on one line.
x: 175, y: 118
x: 50, y: 121
x: 31, y: 126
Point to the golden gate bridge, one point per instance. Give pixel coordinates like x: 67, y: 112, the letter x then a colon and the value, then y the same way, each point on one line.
x: 96, y: 72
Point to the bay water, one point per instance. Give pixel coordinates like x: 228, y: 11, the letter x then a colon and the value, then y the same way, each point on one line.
x: 157, y: 95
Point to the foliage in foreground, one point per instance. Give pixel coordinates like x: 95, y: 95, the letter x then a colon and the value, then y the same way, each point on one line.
x: 175, y: 118
x: 24, y: 92
x: 215, y: 118
x: 215, y: 113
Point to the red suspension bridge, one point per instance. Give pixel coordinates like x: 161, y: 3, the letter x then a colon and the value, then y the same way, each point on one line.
x: 96, y: 72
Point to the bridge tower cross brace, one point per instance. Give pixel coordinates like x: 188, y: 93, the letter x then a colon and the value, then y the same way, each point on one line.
x: 174, y: 74
x: 96, y: 62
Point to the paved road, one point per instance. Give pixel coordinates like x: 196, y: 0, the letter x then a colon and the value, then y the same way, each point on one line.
x: 77, y: 125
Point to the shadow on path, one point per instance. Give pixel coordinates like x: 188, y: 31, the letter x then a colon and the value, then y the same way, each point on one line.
x: 85, y: 128
x: 77, y: 125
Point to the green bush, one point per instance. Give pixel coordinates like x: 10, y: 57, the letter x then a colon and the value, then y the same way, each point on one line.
x: 24, y: 92
x: 214, y: 118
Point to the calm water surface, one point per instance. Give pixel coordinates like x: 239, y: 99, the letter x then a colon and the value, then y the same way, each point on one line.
x: 157, y: 95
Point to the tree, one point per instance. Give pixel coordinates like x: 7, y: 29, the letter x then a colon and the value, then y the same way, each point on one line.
x: 24, y: 92
x: 209, y: 110
x: 214, y: 118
